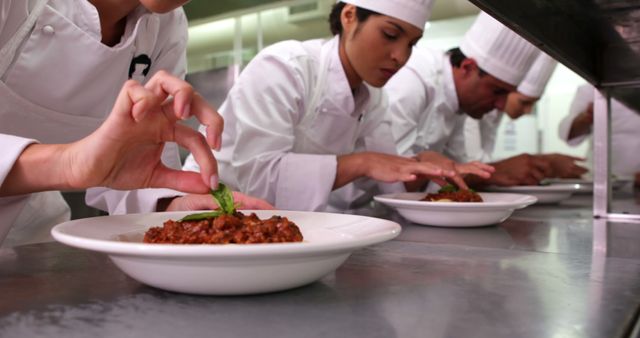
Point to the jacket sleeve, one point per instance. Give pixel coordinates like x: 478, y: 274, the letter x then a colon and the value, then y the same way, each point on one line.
x: 10, y: 207
x: 262, y: 157
x: 581, y: 101
x: 171, y: 57
x: 406, y: 103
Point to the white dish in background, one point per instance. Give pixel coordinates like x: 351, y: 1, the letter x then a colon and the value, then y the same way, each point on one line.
x: 546, y: 194
x: 496, y: 208
x: 231, y: 269
x: 587, y: 184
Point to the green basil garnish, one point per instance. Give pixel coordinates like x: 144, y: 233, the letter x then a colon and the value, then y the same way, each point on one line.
x: 224, y: 197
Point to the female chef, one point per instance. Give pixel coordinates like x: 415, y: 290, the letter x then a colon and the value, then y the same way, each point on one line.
x: 61, y: 66
x: 306, y: 125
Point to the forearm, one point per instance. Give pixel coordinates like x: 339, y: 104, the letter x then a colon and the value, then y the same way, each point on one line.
x: 350, y: 167
x: 581, y: 126
x: 39, y: 168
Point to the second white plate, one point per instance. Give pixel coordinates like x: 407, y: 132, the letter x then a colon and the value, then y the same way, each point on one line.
x: 495, y: 209
x: 546, y: 194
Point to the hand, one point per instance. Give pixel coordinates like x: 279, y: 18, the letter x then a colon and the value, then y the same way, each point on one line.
x: 388, y: 168
x: 206, y: 202
x: 471, y: 168
x: 124, y: 153
x: 564, y: 166
x: 582, y: 123
x: 523, y: 169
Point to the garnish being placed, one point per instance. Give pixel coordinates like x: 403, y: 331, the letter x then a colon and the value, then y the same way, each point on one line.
x: 224, y: 226
x: 451, y: 193
x: 224, y: 197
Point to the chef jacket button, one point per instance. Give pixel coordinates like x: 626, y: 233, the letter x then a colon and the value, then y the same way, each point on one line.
x: 48, y: 30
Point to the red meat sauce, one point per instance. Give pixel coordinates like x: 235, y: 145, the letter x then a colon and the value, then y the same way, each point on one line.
x: 455, y: 196
x: 226, y: 229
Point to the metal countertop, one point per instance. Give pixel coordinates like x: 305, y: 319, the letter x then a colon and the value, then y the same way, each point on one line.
x: 535, y: 275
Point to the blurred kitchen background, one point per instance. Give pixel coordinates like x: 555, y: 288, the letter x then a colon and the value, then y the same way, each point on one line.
x: 225, y: 34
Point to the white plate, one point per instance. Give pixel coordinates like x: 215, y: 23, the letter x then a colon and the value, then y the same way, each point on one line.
x: 553, y: 193
x: 231, y: 269
x: 496, y: 208
x: 587, y: 184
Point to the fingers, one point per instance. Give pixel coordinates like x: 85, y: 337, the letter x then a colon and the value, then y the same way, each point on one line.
x: 163, y: 85
x: 210, y: 118
x: 134, y: 101
x: 475, y: 168
x: 196, y: 144
x: 459, y: 181
x: 186, y: 103
x: 249, y: 202
x: 185, y: 181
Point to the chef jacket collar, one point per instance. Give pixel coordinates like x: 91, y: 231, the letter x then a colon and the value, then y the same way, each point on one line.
x: 338, y: 95
x: 87, y: 19
x: 450, y: 93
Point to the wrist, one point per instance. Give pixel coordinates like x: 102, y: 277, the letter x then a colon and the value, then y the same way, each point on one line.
x: 38, y: 168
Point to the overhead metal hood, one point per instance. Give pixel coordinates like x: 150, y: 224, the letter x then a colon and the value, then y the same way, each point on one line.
x: 598, y: 39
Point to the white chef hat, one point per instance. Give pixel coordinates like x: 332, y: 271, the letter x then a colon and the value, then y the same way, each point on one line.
x: 498, y: 50
x: 415, y: 12
x: 538, y: 76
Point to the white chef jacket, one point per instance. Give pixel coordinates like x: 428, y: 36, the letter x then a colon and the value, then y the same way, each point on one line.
x: 288, y: 116
x: 63, y: 81
x: 625, y: 124
x: 424, y: 106
x: 480, y: 136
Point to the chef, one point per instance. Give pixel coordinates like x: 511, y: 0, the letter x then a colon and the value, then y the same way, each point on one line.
x: 433, y: 95
x: 123, y: 153
x: 480, y: 134
x: 61, y: 66
x: 306, y: 125
x: 625, y: 123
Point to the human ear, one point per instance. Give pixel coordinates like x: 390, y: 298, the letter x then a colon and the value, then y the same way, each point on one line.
x: 468, y: 67
x: 348, y: 18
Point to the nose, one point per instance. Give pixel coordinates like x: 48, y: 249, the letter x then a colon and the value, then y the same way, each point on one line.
x: 400, y: 55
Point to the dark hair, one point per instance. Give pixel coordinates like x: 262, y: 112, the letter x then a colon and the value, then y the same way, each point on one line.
x: 456, y: 56
x: 334, y: 18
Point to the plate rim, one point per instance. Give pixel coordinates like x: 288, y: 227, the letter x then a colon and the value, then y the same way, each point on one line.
x: 113, y: 247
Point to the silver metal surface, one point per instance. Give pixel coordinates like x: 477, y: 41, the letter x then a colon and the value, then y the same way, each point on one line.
x: 535, y: 275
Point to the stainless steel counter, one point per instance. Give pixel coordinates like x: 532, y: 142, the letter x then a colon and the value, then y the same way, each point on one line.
x: 535, y: 275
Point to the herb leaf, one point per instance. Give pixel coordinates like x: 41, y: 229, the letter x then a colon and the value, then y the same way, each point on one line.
x: 223, y: 197
x: 451, y: 188
x: 448, y: 188
x: 201, y: 216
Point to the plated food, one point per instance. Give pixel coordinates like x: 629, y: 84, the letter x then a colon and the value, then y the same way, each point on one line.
x: 495, y: 208
x: 229, y: 269
x: 224, y: 226
x: 453, y: 194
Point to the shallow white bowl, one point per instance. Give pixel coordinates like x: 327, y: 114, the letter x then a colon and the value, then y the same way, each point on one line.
x: 546, y: 194
x: 496, y: 208
x: 231, y: 269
